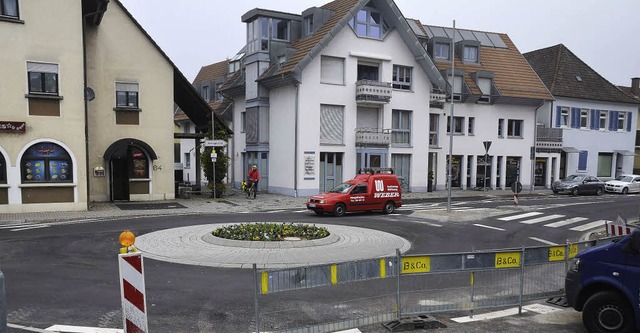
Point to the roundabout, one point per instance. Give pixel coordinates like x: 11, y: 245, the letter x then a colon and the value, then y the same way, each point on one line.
x: 195, y: 245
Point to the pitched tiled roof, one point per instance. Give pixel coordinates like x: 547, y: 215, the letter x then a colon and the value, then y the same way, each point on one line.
x: 513, y: 77
x: 340, y: 9
x: 212, y: 72
x: 567, y: 76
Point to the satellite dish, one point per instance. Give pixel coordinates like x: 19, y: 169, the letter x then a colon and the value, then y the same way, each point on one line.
x: 89, y: 94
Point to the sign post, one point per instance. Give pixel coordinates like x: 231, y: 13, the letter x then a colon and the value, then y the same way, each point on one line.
x: 214, y: 157
x: 487, y: 145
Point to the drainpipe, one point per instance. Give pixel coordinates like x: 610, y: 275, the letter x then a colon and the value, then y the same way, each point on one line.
x: 102, y: 8
x: 535, y: 140
x: 295, y: 144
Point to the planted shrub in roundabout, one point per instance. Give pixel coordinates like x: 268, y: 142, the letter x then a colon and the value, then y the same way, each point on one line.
x: 271, y: 231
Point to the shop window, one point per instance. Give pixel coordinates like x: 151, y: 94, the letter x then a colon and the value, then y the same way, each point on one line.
x: 46, y: 162
x: 140, y: 164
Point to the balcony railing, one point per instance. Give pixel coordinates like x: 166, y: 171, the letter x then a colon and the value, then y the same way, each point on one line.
x: 549, y: 138
x: 373, y: 136
x: 368, y: 91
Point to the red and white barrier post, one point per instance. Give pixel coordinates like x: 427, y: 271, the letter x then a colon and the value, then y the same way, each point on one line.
x: 132, y: 290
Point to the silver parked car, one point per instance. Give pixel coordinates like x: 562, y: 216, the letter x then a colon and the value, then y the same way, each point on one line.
x: 579, y: 184
x: 624, y: 184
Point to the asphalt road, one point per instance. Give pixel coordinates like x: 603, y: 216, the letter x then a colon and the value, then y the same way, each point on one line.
x: 68, y: 274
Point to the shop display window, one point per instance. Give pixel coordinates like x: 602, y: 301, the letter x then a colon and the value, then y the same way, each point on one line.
x: 46, y: 162
x: 140, y: 164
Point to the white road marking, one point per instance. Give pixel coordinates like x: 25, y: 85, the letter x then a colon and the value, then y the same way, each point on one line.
x: 542, y: 241
x: 521, y: 216
x: 488, y: 315
x: 565, y: 222
x: 82, y: 329
x: 542, y: 219
x: 32, y: 227
x: 585, y: 227
x: 541, y: 308
x: 488, y: 227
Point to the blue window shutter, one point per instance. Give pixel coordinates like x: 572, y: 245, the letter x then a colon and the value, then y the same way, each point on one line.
x: 558, y: 115
x: 612, y: 119
x: 582, y: 160
x: 629, y: 117
x: 576, y: 117
x: 592, y: 122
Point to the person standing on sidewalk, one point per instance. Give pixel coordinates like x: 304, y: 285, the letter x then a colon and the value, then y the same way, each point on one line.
x: 254, y: 177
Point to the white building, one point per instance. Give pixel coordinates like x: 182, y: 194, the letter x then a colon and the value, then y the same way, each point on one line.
x: 598, y: 121
x: 353, y: 84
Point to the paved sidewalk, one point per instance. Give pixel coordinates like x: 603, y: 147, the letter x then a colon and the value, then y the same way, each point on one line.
x: 232, y: 202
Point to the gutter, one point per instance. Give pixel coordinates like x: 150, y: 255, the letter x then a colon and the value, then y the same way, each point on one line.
x: 295, y: 140
x: 535, y: 141
x: 102, y: 8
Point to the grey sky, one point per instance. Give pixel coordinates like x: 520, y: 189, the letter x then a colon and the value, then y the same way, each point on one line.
x: 195, y: 33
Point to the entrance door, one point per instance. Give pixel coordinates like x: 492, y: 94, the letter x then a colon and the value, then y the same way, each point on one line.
x: 330, y: 171
x: 371, y: 159
x: 119, y: 180
x: 541, y: 172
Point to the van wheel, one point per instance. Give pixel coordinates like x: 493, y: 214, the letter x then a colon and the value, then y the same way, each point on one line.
x: 608, y: 311
x: 625, y: 190
x: 389, y: 207
x: 339, y: 210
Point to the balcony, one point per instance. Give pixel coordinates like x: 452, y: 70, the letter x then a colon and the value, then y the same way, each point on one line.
x: 373, y: 137
x: 437, y: 99
x: 373, y: 92
x: 548, y: 140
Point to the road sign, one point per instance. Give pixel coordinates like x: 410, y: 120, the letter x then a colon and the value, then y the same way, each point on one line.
x: 215, y: 143
x: 487, y: 145
x: 516, y: 187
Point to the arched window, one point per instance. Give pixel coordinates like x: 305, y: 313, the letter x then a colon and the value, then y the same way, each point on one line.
x: 140, y: 164
x: 3, y: 170
x: 46, y: 162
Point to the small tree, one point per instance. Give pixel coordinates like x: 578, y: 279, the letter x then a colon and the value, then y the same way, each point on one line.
x: 222, y: 161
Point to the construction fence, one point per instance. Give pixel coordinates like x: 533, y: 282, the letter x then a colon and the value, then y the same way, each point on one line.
x: 345, y: 295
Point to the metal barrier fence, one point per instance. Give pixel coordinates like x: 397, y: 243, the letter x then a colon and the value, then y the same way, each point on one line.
x: 340, y: 296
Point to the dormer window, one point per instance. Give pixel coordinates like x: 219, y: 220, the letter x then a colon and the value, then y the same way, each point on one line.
x: 484, y: 84
x: 308, y: 25
x: 218, y: 94
x: 279, y: 29
x: 456, y: 87
x: 205, y: 93
x: 369, y: 23
x: 441, y: 51
x: 470, y: 54
x: 234, y: 63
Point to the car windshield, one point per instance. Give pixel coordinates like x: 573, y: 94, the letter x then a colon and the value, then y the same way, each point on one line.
x: 626, y: 179
x: 619, y: 177
x: 342, y: 188
x: 574, y: 178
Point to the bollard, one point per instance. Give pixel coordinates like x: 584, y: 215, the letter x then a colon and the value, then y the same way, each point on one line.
x: 3, y: 306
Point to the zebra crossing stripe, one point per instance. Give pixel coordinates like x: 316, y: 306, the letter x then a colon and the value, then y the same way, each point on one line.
x: 588, y: 226
x: 521, y: 216
x: 542, y: 219
x: 565, y: 222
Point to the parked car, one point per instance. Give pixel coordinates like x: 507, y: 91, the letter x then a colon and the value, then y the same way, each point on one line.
x: 624, y: 184
x: 579, y: 184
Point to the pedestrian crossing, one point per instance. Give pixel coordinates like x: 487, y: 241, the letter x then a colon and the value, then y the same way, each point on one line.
x: 556, y: 221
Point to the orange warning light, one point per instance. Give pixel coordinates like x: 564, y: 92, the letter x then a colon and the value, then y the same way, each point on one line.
x: 127, y: 238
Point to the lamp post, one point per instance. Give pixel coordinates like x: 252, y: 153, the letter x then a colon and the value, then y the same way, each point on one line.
x: 487, y: 145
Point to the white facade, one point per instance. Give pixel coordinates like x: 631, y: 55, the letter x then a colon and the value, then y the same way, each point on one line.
x: 302, y: 105
x: 468, y: 149
x: 606, y: 152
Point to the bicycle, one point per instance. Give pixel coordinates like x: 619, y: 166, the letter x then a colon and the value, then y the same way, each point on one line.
x: 250, y: 190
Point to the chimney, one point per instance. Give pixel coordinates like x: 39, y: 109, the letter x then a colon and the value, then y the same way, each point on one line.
x: 635, y: 86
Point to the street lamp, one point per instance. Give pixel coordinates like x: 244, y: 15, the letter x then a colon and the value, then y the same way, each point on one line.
x: 487, y: 145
